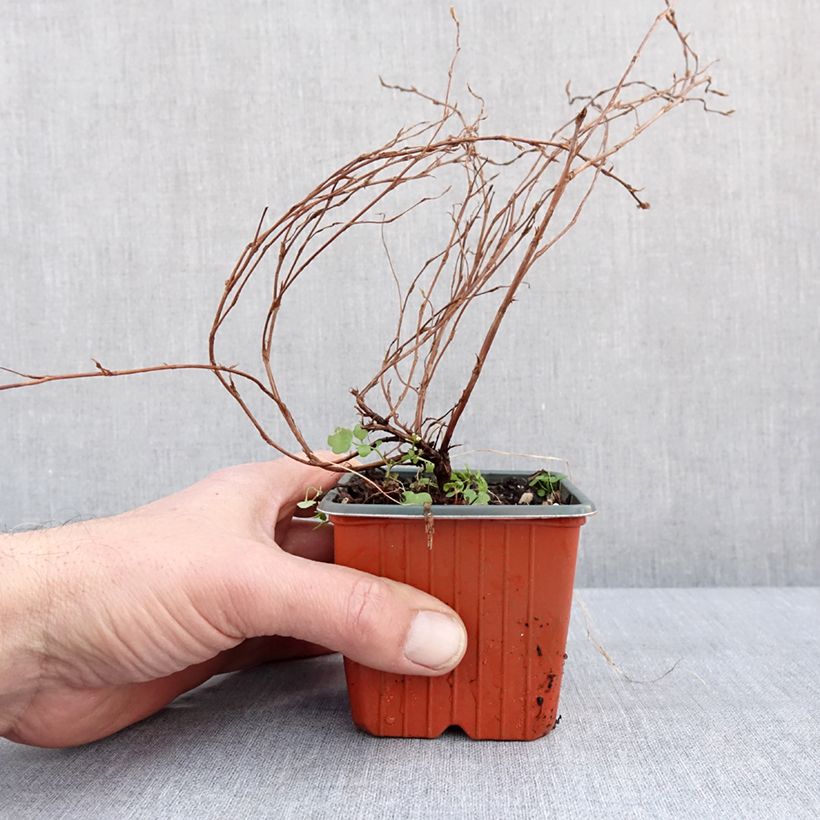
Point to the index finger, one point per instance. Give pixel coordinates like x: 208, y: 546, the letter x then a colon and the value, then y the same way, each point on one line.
x: 293, y: 481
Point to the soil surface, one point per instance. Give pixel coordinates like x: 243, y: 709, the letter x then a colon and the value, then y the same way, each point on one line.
x: 509, y: 491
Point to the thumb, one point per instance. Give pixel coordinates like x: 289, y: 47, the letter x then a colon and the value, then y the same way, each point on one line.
x: 380, y: 623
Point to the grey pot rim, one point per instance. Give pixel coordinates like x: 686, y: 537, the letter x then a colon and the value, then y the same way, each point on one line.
x: 582, y: 506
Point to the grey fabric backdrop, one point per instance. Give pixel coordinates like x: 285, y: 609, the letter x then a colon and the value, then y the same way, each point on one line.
x: 679, y: 373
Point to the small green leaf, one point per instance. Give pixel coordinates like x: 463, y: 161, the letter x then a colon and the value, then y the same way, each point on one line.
x: 483, y: 498
x: 419, y: 499
x: 306, y: 504
x: 364, y: 450
x: 546, y: 480
x: 470, y: 496
x: 359, y: 432
x: 340, y: 440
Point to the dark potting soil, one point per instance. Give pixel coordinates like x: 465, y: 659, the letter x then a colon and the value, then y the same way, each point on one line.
x: 509, y: 491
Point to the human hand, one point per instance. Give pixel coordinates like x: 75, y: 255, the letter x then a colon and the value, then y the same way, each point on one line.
x: 104, y: 622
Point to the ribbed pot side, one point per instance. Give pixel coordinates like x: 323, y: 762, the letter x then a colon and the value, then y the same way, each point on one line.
x: 511, y: 581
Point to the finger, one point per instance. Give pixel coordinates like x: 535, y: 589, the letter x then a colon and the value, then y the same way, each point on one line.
x: 377, y: 622
x: 300, y: 518
x: 282, y: 528
x: 98, y: 713
x: 276, y: 487
x: 102, y: 712
x: 292, y: 482
x: 308, y: 540
x: 269, y: 490
x: 256, y: 651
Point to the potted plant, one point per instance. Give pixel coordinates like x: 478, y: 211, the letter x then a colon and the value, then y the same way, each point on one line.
x: 499, y: 548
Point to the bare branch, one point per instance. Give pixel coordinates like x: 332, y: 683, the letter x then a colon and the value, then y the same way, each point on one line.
x: 513, y: 198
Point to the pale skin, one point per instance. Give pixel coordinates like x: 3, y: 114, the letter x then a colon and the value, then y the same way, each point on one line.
x: 105, y: 622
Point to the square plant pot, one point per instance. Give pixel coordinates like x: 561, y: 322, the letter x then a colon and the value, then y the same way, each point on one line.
x: 508, y: 571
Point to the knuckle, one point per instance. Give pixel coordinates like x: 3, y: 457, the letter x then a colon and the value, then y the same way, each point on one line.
x: 366, y: 604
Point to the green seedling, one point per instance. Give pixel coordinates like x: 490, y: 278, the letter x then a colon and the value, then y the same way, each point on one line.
x: 342, y: 439
x: 468, y: 486
x: 546, y: 484
x: 311, y: 502
x: 416, y: 499
x: 311, y: 499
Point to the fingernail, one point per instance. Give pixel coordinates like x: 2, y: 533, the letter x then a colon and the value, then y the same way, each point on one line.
x: 435, y: 640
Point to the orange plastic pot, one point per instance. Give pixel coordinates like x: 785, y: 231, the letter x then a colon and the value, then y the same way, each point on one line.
x: 508, y: 572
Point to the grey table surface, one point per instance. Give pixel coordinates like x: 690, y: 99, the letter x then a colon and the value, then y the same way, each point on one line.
x: 733, y: 730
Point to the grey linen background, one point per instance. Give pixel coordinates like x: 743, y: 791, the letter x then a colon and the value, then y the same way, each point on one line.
x: 678, y: 370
